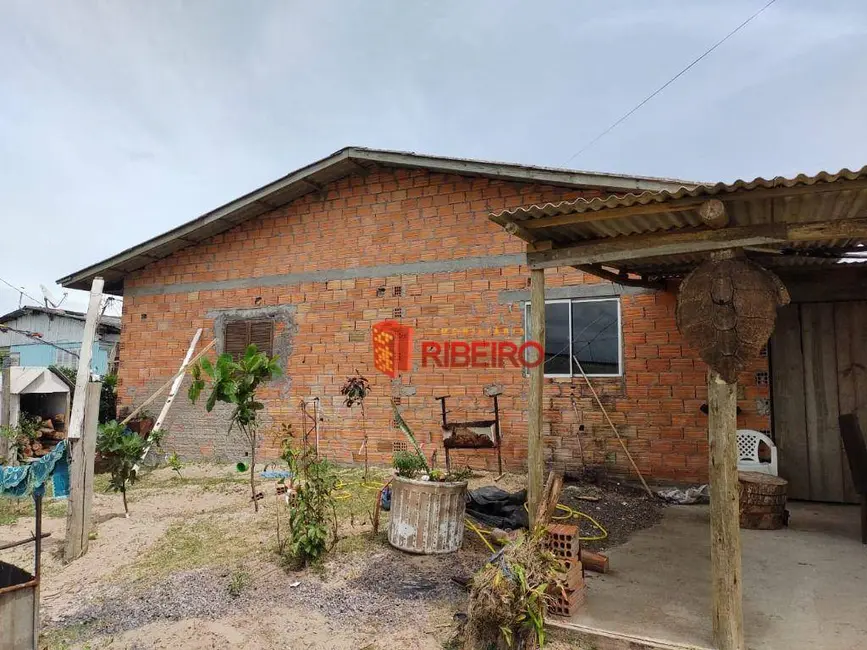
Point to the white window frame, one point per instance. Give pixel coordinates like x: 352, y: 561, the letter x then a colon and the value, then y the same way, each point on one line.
x: 570, y: 302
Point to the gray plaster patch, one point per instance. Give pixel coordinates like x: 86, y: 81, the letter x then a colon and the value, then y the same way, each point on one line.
x: 283, y: 314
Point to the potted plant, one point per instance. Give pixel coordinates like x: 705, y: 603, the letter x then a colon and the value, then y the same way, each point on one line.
x: 427, y: 506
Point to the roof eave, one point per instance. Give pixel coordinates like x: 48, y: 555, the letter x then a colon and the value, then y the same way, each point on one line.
x: 307, y: 180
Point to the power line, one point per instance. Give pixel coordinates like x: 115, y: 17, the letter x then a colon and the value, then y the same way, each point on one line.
x: 36, y: 337
x: 20, y: 291
x: 666, y: 84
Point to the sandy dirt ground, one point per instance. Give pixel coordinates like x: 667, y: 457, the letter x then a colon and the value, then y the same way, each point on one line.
x: 194, y: 567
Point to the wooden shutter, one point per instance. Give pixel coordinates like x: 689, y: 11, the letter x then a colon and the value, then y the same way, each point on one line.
x: 237, y: 335
x: 262, y: 336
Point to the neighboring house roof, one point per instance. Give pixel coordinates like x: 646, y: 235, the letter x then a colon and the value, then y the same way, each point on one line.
x: 111, y: 322
x: 313, y: 177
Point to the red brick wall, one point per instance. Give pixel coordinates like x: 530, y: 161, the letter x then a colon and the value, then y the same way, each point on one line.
x: 398, y: 217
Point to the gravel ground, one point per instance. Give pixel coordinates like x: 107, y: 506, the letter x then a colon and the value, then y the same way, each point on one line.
x: 621, y: 509
x: 190, y: 594
x: 360, y: 588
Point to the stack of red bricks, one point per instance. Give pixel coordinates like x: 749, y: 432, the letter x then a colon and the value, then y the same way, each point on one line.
x: 564, y: 543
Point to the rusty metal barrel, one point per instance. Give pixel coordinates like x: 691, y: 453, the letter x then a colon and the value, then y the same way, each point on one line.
x: 427, y: 517
x: 762, y: 500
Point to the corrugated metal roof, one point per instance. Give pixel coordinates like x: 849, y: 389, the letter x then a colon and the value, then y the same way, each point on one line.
x: 702, y: 190
x: 822, y: 197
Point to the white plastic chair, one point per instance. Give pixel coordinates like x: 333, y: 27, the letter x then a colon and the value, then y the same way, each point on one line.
x: 748, y: 452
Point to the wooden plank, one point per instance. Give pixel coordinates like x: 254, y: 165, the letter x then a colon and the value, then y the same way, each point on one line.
x: 535, y: 451
x: 176, y: 384
x: 820, y: 392
x: 5, y: 413
x: 851, y: 338
x: 82, y: 454
x: 691, y: 240
x: 725, y: 549
x: 687, y: 240
x: 789, y: 415
x: 82, y: 377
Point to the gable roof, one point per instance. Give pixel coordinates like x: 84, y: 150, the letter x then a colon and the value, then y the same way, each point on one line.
x: 111, y: 322
x: 314, y: 176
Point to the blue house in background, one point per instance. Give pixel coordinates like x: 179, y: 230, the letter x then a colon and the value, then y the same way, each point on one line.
x: 25, y: 335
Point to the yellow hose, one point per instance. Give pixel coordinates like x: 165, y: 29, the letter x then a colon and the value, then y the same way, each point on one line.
x: 577, y: 514
x: 481, y: 533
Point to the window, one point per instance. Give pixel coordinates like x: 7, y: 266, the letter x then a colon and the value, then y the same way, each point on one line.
x: 586, y: 331
x: 241, y: 333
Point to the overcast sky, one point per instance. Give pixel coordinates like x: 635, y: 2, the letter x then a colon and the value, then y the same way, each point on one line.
x: 120, y: 120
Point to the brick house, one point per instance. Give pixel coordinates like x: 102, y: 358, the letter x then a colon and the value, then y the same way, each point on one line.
x: 305, y: 266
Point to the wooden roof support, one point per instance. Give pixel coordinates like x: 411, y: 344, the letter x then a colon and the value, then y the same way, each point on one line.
x: 620, y: 278
x: 535, y: 444
x: 725, y: 533
x: 631, y: 247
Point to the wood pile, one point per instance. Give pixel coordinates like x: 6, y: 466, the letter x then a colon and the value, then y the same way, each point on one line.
x: 762, y: 501
x: 50, y: 431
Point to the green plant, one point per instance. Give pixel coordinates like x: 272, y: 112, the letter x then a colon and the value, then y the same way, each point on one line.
x: 235, y: 382
x: 510, y: 596
x: 403, y: 426
x: 313, y: 508
x: 408, y: 464
x: 108, y: 399
x: 238, y: 582
x: 354, y: 391
x: 20, y: 436
x: 175, y: 463
x: 121, y: 450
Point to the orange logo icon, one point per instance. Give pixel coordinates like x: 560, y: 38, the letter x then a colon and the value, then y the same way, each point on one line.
x: 392, y: 347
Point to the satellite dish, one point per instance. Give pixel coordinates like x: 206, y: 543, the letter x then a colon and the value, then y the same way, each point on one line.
x: 50, y: 300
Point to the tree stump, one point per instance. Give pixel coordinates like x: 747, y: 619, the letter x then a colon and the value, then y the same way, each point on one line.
x: 762, y: 501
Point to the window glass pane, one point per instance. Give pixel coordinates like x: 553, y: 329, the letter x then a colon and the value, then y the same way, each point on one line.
x: 595, y: 337
x: 557, y: 339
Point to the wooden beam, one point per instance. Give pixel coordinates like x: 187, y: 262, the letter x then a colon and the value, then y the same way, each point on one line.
x: 82, y: 453
x: 82, y: 377
x: 725, y: 548
x: 535, y: 452
x: 713, y: 214
x: 6, y: 447
x: 515, y: 229
x: 619, y: 278
x: 694, y: 240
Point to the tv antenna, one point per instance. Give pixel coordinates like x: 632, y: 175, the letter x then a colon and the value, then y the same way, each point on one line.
x: 50, y: 300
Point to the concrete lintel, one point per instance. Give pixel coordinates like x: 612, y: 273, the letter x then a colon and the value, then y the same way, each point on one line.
x: 327, y: 275
x: 601, y: 290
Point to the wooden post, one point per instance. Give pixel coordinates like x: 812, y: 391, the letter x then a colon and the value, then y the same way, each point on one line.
x: 535, y: 452
x: 81, y: 453
x: 725, y: 548
x: 6, y: 446
x: 82, y: 378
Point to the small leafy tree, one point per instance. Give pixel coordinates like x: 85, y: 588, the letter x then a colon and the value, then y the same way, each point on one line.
x: 355, y: 390
x: 235, y: 383
x: 175, y: 463
x: 122, y: 449
x: 314, y: 507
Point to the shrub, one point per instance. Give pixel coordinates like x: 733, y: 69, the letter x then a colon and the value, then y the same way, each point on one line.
x: 408, y: 464
x: 313, y: 509
x: 121, y: 450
